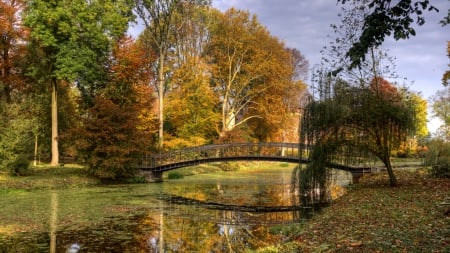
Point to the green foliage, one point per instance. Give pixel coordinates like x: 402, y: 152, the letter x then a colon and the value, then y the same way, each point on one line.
x: 136, y: 180
x: 441, y: 170
x: 175, y: 175
x: 45, y: 177
x: 350, y: 127
x: 20, y: 164
x: 17, y: 139
x: 386, y: 19
x: 438, y: 157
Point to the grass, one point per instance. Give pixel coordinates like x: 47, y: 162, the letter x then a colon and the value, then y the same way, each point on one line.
x: 218, y: 168
x: 46, y: 177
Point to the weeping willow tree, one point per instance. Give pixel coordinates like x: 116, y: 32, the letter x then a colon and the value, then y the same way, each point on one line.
x: 349, y: 126
x: 355, y: 116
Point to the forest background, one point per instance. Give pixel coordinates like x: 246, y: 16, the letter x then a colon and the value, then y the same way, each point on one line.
x: 75, y: 85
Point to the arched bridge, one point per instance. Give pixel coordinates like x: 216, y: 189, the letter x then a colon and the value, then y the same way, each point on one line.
x: 155, y: 164
x: 169, y: 160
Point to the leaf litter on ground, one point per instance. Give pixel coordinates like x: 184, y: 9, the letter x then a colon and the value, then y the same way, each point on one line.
x: 375, y: 217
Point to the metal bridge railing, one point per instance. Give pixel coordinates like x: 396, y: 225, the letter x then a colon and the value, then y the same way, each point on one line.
x: 275, y: 150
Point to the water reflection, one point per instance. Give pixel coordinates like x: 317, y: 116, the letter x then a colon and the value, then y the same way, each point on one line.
x: 53, y: 220
x: 196, y: 214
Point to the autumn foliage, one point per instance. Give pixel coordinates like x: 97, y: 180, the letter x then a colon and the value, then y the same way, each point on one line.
x: 114, y: 133
x: 11, y: 47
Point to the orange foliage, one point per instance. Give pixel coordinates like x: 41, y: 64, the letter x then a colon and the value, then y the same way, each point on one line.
x: 131, y: 64
x: 119, y: 127
x: 11, y: 45
x: 383, y: 89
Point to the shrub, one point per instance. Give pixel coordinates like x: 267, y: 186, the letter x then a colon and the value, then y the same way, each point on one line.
x: 440, y: 170
x: 438, y: 157
x: 175, y: 175
x: 17, y: 140
x: 136, y: 180
x: 20, y: 165
x: 226, y: 166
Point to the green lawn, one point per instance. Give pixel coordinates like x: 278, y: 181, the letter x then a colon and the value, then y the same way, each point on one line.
x: 46, y: 177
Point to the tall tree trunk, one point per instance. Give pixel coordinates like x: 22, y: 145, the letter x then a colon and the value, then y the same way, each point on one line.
x: 161, y: 100
x: 5, y: 74
x: 35, y: 149
x: 55, y: 149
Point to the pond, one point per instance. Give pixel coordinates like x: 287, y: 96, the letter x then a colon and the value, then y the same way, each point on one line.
x: 215, y: 212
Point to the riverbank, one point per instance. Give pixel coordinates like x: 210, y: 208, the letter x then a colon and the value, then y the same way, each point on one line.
x: 73, y: 175
x: 46, y: 177
x: 374, y: 217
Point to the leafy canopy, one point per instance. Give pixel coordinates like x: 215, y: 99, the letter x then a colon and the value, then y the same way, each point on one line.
x: 387, y: 18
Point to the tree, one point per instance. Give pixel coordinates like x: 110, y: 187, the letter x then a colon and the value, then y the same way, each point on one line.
x: 192, y: 113
x: 245, y: 64
x: 75, y: 40
x: 352, y: 126
x: 385, y: 19
x: 441, y: 109
x: 278, y: 106
x: 356, y: 114
x: 300, y: 65
x: 12, y: 41
x: 159, y: 17
x: 114, y: 132
x: 421, y: 107
x: 446, y: 76
x: 16, y: 121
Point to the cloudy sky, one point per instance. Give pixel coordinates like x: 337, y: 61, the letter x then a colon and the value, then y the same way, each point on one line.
x: 305, y: 25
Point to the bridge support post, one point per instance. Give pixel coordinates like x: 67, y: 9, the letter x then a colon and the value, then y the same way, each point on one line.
x: 355, y: 177
x: 152, y: 176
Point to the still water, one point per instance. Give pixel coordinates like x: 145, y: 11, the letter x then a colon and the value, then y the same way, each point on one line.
x: 216, y: 212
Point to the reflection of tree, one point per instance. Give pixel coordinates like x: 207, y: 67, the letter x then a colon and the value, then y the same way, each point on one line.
x: 53, y: 220
x: 186, y: 232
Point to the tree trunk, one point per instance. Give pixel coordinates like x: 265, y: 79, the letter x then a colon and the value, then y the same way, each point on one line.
x: 387, y: 163
x: 161, y: 100
x: 55, y: 150
x: 35, y: 149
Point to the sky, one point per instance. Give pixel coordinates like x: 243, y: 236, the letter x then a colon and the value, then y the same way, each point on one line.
x: 305, y: 25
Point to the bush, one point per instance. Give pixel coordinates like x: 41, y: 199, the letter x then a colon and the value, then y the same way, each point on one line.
x: 20, y: 165
x: 136, y: 180
x: 16, y: 141
x: 175, y: 175
x: 438, y: 157
x: 441, y: 170
x: 226, y: 166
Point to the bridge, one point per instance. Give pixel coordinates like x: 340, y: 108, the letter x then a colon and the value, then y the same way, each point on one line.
x: 152, y: 166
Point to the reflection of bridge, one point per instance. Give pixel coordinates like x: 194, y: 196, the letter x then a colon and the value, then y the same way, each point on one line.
x: 235, y: 214
x: 152, y: 166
